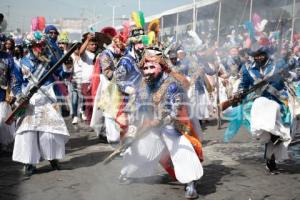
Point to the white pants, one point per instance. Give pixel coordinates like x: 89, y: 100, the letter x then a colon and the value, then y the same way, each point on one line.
x: 7, y: 132
x: 141, y: 159
x: 266, y: 120
x: 112, y: 130
x: 30, y: 147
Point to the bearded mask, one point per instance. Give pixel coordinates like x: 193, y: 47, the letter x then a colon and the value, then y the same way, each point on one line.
x: 152, y: 72
x: 153, y: 65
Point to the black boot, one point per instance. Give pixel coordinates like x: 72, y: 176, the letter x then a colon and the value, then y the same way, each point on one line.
x: 102, y: 139
x: 271, y: 165
x: 29, y: 169
x: 54, y: 164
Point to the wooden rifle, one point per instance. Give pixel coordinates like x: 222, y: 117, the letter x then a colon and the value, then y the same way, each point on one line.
x: 138, y: 133
x: 237, y: 98
x: 20, y: 109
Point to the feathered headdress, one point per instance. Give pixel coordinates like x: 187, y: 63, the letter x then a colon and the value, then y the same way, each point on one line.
x: 63, y: 37
x: 138, y: 18
x: 138, y: 34
x: 109, y: 31
x: 124, y: 34
x: 153, y: 31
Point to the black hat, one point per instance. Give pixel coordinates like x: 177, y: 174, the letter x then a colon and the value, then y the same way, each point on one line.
x: 260, y: 51
x: 137, y: 32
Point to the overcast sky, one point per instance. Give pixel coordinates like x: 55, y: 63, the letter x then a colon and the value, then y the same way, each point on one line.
x: 20, y: 12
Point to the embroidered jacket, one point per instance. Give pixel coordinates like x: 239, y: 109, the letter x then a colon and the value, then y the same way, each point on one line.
x: 160, y: 100
x: 107, y: 63
x: 127, y: 73
x: 7, y: 71
x: 30, y: 64
x: 276, y: 89
x: 166, y: 101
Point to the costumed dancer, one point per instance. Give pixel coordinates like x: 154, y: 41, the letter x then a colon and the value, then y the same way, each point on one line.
x: 127, y: 74
x: 7, y: 83
x: 54, y: 53
x: 168, y: 135
x: 108, y: 96
x: 270, y: 117
x: 41, y: 132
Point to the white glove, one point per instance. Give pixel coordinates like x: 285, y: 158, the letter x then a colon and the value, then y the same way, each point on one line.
x: 129, y: 90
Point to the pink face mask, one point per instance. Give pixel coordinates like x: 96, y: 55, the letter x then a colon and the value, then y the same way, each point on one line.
x: 37, y: 50
x: 151, y: 71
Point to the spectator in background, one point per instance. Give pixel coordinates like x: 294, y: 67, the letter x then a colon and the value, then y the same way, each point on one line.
x: 184, y: 62
x: 76, y: 84
x: 63, y: 42
x: 9, y: 46
x: 87, y: 53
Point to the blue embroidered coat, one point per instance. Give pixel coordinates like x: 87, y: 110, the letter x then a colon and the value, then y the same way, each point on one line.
x: 29, y: 62
x: 7, y: 71
x: 276, y: 90
x: 127, y: 73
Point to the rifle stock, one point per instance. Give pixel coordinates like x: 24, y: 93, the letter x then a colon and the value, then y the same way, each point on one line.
x: 123, y: 146
x: 225, y: 104
x: 139, y: 133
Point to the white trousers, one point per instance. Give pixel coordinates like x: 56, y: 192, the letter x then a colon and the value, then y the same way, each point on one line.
x: 112, y: 130
x: 30, y: 147
x: 141, y: 159
x: 7, y: 132
x: 266, y: 120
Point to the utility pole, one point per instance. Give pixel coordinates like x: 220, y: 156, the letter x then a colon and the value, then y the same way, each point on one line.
x: 194, y: 15
x: 113, y: 15
x: 139, y: 5
x: 113, y: 12
x: 8, y: 9
x: 250, y: 12
x: 81, y: 17
x: 7, y: 15
x: 293, y: 21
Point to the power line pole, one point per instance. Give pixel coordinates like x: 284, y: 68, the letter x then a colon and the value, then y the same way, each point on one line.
x: 139, y: 5
x: 293, y: 21
x: 194, y: 15
x: 250, y: 11
x: 8, y: 9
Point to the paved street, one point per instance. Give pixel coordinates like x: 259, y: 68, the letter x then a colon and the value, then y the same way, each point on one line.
x: 232, y: 171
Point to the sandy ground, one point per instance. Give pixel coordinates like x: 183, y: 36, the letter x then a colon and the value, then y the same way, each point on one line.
x: 232, y: 170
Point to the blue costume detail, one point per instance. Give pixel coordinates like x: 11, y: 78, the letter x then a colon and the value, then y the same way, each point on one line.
x: 240, y: 115
x: 253, y: 75
x: 127, y: 73
x: 7, y: 73
x: 31, y: 64
x: 173, y: 97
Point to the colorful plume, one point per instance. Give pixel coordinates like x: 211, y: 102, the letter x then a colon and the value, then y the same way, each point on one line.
x: 153, y: 31
x: 41, y: 23
x: 142, y: 18
x: 34, y: 24
x: 63, y: 37
x: 151, y: 37
x: 136, y: 18
x: 126, y: 30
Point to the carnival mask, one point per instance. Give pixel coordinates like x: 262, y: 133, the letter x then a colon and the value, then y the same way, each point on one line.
x: 151, y: 71
x: 260, y: 59
x: 139, y: 49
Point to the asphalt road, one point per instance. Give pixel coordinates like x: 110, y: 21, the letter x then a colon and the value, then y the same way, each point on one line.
x: 232, y: 170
